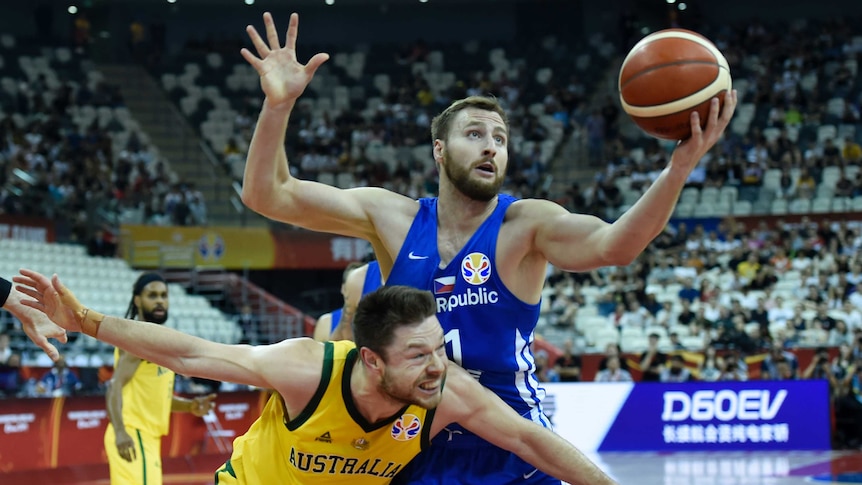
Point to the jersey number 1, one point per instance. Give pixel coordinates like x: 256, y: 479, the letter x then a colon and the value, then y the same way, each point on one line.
x: 454, y: 337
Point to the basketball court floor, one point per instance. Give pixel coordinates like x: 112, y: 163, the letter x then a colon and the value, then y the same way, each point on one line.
x: 739, y: 468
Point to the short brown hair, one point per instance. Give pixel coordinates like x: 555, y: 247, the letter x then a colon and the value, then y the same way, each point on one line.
x: 441, y: 123
x: 384, y: 310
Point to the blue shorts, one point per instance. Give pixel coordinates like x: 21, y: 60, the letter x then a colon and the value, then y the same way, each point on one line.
x: 465, y: 459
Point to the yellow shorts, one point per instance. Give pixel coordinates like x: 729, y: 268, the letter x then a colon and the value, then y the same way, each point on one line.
x: 145, y: 469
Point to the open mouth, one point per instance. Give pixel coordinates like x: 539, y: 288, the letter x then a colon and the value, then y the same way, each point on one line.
x: 487, y: 167
x: 432, y: 386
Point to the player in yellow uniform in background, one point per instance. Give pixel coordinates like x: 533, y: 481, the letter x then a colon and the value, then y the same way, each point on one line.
x: 342, y: 413
x: 140, y: 397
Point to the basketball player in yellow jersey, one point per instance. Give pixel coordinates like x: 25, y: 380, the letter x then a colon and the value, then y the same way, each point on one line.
x: 140, y: 397
x: 342, y: 413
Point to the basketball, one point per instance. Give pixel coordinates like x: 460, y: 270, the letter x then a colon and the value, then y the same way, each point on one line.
x: 666, y: 76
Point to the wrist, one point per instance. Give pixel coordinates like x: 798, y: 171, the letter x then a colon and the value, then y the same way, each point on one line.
x: 283, y: 107
x: 90, y: 321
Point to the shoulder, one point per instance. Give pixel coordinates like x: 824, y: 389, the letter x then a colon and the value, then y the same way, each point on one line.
x: 531, y: 207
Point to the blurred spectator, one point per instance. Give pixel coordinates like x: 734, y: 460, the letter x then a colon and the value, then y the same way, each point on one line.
x: 675, y: 344
x: 711, y: 366
x: 688, y: 291
x: 652, y: 360
x: 613, y: 372
x: 59, y: 381
x: 613, y: 350
x: 102, y: 244
x: 249, y: 322
x: 676, y: 372
x: 568, y: 365
x: 848, y: 408
x: 10, y: 363
x: 821, y: 368
x: 769, y: 368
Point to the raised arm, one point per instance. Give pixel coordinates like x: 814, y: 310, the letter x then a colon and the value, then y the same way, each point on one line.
x: 280, y: 366
x: 479, y: 410
x: 579, y: 243
x: 268, y: 188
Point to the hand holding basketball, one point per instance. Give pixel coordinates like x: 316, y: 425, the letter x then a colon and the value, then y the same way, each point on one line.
x: 669, y: 74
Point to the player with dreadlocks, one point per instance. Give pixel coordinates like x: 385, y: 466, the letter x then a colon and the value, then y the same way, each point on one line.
x: 140, y: 397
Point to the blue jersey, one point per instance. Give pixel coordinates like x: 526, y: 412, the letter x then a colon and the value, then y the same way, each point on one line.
x: 373, y: 278
x: 488, y: 330
x: 336, y: 317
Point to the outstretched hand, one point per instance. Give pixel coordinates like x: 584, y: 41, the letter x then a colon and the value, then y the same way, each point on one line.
x: 689, y: 151
x: 50, y: 297
x: 282, y: 77
x: 38, y: 327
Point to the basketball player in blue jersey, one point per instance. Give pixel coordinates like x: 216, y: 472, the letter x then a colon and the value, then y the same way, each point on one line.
x: 328, y: 322
x: 366, y: 277
x: 357, y: 281
x: 482, y: 254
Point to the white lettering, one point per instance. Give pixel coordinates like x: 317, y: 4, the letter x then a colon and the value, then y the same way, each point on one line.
x: 730, y: 397
x: 702, y: 409
x: 749, y: 402
x: 724, y: 405
x: 470, y: 298
x: 670, y: 400
x: 20, y: 427
x: 767, y: 410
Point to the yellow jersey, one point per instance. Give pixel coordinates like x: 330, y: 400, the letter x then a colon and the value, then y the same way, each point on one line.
x: 329, y: 441
x: 147, y: 398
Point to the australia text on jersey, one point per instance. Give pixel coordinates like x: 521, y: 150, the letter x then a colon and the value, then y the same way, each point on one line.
x: 340, y: 465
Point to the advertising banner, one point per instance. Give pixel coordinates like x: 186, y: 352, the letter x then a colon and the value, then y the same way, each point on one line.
x: 237, y: 248
x: 694, y: 416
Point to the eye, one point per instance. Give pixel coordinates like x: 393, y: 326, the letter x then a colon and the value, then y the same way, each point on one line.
x: 473, y: 134
x: 499, y: 139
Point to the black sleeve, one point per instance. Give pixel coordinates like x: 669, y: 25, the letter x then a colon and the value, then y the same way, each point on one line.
x: 5, y: 289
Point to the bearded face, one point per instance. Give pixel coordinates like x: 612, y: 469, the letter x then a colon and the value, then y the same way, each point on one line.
x: 470, y: 184
x: 152, y: 303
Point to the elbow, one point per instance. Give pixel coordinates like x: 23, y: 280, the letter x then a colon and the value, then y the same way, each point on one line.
x: 622, y: 256
x: 248, y: 198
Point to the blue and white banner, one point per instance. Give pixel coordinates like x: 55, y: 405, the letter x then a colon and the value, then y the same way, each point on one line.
x: 694, y: 416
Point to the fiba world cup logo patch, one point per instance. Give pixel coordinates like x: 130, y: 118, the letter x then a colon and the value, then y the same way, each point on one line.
x: 476, y: 268
x: 406, y: 427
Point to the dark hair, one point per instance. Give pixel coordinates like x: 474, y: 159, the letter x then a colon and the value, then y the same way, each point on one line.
x: 441, y: 123
x: 382, y: 311
x: 138, y: 287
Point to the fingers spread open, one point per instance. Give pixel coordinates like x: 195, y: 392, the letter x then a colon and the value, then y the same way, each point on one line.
x: 271, y: 34
x: 292, y: 31
x: 257, y: 41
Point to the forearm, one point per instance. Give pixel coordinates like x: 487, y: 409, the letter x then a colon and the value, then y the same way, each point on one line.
x: 184, y: 354
x: 181, y: 405
x: 555, y: 456
x: 266, y: 165
x: 645, y: 220
x: 114, y: 401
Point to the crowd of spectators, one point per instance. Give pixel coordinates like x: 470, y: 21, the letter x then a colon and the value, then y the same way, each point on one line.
x: 324, y: 143
x: 801, y: 85
x: 58, y: 157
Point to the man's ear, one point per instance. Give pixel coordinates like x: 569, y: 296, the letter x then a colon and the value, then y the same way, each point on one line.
x: 371, y: 359
x: 439, y: 149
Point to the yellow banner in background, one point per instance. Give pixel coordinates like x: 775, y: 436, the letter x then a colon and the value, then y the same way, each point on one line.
x: 226, y: 247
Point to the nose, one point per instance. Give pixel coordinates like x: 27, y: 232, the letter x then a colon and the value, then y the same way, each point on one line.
x: 490, y: 150
x: 437, y: 364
